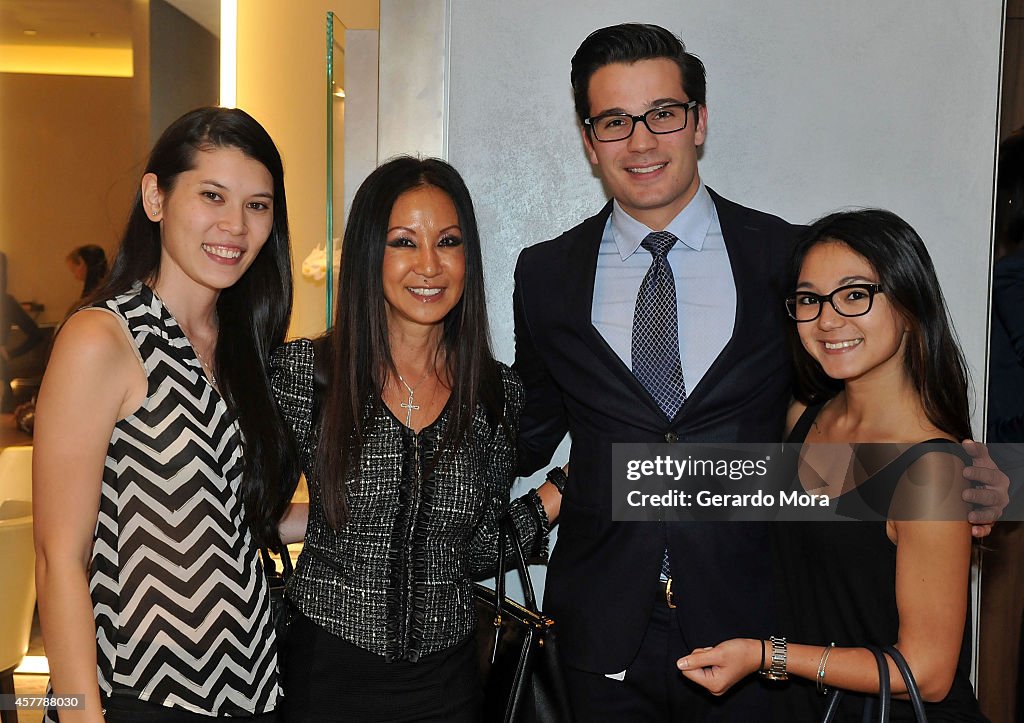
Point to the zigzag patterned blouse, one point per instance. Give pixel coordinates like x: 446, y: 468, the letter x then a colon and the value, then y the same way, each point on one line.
x: 180, y: 599
x: 395, y: 578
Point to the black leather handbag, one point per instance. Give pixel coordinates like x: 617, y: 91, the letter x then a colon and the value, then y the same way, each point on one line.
x: 884, y: 693
x: 519, y: 662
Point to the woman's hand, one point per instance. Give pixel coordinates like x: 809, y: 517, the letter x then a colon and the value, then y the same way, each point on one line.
x: 721, y: 667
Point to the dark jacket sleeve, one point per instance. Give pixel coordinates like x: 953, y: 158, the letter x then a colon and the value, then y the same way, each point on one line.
x: 543, y: 423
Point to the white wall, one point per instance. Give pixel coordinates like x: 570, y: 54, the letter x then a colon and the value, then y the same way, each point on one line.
x: 813, y: 105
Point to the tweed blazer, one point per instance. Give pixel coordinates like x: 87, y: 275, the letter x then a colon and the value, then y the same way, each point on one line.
x: 395, y: 578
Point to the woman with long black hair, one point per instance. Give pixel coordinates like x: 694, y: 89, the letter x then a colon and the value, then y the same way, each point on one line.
x: 882, y: 401
x: 157, y: 443
x: 407, y: 426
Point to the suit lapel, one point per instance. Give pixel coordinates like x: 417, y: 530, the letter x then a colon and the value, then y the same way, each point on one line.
x: 587, y: 245
x: 743, y: 261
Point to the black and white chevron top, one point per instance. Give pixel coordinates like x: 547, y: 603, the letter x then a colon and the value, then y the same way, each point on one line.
x: 180, y: 599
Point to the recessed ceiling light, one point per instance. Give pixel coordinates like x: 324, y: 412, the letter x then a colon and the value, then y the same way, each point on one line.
x: 30, y: 32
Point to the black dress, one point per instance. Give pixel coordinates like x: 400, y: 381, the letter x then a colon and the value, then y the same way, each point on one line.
x: 836, y: 582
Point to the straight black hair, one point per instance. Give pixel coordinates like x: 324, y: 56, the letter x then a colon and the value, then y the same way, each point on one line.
x: 628, y: 43
x: 358, y: 352
x: 253, y: 313
x: 933, y: 359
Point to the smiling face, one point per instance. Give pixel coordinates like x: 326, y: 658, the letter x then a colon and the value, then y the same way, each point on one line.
x: 652, y: 176
x: 213, y: 222
x: 424, y: 268
x: 850, y: 348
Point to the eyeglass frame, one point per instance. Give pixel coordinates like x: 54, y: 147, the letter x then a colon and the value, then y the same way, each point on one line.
x: 871, y: 289
x: 642, y: 118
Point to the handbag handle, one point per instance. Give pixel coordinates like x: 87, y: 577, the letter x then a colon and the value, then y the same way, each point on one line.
x: 508, y: 537
x: 884, y: 693
x: 911, y: 683
x: 286, y: 562
x: 913, y: 691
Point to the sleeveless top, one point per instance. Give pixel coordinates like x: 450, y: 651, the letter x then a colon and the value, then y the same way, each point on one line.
x: 836, y: 582
x: 180, y: 599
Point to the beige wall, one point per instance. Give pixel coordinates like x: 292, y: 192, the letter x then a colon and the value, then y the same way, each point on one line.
x: 67, y: 177
x: 282, y: 80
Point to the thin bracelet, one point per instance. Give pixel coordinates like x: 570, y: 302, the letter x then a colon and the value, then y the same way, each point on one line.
x: 761, y: 667
x: 820, y: 681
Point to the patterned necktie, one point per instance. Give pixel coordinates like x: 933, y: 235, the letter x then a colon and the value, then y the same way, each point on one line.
x: 655, y: 348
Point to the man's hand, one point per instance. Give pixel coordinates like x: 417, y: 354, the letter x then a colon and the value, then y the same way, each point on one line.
x: 989, y: 493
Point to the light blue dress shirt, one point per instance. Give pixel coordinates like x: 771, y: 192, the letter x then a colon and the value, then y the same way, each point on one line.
x: 705, y: 289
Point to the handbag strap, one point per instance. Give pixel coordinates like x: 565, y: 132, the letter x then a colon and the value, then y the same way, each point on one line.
x: 884, y: 690
x: 286, y: 562
x: 884, y: 693
x: 508, y: 540
x: 908, y: 678
x: 529, y: 595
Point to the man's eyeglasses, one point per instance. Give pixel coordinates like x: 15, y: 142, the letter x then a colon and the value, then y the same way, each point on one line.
x: 849, y: 300
x: 670, y: 118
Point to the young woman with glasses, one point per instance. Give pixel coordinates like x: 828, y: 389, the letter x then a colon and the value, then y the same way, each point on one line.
x: 877, y: 362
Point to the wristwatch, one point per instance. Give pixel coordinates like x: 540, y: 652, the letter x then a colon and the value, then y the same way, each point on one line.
x: 777, y: 665
x: 558, y: 477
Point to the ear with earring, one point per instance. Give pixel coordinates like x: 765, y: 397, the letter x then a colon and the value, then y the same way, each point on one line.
x: 151, y: 196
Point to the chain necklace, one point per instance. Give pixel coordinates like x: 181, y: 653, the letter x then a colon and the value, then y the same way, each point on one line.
x: 207, y: 369
x: 408, y: 405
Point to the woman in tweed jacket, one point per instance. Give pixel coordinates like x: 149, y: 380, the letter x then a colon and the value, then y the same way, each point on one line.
x: 407, y: 429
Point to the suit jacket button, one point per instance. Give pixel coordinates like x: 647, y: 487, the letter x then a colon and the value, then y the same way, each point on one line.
x: 671, y: 437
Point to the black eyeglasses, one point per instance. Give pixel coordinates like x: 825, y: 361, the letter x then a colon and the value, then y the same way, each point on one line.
x: 669, y: 118
x: 849, y: 300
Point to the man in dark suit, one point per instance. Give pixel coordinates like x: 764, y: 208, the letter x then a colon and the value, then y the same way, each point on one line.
x: 657, y: 320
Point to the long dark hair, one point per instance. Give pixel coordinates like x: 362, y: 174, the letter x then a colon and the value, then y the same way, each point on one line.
x: 253, y: 313
x: 933, y: 359
x: 358, y: 351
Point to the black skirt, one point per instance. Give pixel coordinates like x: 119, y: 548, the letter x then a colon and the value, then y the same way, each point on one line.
x: 327, y: 678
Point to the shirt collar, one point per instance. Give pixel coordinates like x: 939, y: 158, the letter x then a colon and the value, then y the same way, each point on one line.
x: 690, y: 226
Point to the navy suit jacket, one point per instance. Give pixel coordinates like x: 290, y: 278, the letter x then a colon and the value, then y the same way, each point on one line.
x: 602, y: 577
